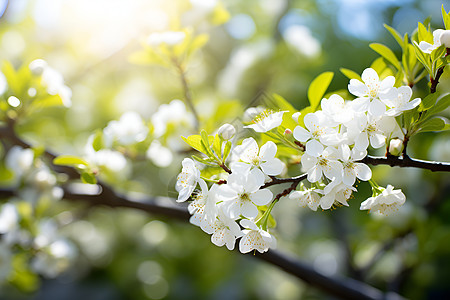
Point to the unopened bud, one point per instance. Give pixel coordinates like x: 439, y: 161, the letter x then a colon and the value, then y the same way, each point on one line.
x: 38, y: 66
x: 288, y: 132
x: 226, y: 131
x: 295, y: 116
x: 396, y: 147
x: 445, y: 38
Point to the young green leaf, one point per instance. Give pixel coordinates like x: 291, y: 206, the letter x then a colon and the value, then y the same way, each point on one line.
x: 395, y: 34
x: 70, y: 160
x: 446, y: 18
x: 226, y: 151
x: 88, y: 178
x: 429, y: 101
x: 195, y: 141
x: 387, y: 53
x: 434, y: 124
x: 424, y: 34
x: 350, y: 74
x: 282, y: 104
x: 442, y: 104
x: 318, y: 87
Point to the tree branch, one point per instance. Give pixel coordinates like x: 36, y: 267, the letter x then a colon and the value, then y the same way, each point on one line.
x: 407, y: 162
x: 344, y: 288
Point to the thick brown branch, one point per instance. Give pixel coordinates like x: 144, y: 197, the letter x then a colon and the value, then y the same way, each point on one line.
x: 407, y: 162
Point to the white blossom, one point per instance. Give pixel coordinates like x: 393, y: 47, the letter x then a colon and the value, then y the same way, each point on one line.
x: 187, y: 179
x: 387, y: 202
x: 402, y: 102
x: 175, y: 114
x: 169, y: 38
x: 336, y: 109
x: 316, y: 134
x: 253, y: 157
x: 9, y: 218
x: 336, y: 192
x: 428, y: 48
x: 307, y: 197
x: 224, y: 230
x: 366, y: 128
x: 161, y: 156
x: 370, y: 91
x: 266, y: 121
x: 129, y: 129
x: 242, y: 194
x: 203, y: 208
x: 255, y: 238
x: 326, y: 163
x: 351, y: 168
x: 19, y: 160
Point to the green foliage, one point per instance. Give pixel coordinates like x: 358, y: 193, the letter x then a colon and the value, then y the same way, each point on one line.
x: 387, y: 53
x: 318, y: 87
x: 70, y: 160
x: 350, y: 74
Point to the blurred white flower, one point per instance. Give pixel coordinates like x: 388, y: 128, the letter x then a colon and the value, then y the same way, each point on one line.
x: 128, y: 130
x: 174, y: 113
x: 9, y: 218
x: 170, y: 38
x: 19, y: 160
x: 161, y: 156
x: 301, y: 39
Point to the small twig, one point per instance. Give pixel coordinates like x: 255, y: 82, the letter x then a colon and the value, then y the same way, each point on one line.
x: 407, y: 162
x: 434, y: 81
x: 276, y: 180
x: 186, y: 90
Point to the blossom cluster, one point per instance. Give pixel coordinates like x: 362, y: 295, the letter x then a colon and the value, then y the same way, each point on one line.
x: 332, y: 142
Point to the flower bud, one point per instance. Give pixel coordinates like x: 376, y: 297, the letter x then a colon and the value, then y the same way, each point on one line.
x: 396, y: 147
x: 288, y: 133
x: 445, y: 38
x: 38, y: 66
x: 295, y: 116
x: 226, y: 131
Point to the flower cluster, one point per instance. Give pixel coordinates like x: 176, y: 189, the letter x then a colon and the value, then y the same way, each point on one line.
x: 332, y: 142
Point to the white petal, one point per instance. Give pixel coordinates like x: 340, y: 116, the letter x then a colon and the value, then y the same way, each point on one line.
x: 362, y: 141
x: 301, y: 134
x: 314, y: 148
x: 249, y: 149
x: 308, y: 161
x: 272, y: 167
x: 370, y: 77
x: 377, y: 108
x: 348, y: 176
x: 363, y: 172
x: 377, y: 140
x: 315, y: 174
x: 360, y: 104
x: 357, y: 88
x: 261, y: 197
x: 268, y: 150
x: 249, y: 210
x: 387, y: 83
x: 244, y: 245
x: 311, y: 121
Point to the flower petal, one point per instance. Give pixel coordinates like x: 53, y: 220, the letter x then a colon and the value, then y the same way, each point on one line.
x: 301, y: 134
x: 261, y: 197
x: 314, y: 148
x: 272, y: 167
x: 357, y: 88
x: 363, y: 172
x: 268, y: 150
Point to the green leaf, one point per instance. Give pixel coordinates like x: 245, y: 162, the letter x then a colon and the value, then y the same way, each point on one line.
x: 206, y: 161
x: 438, y: 53
x: 435, y: 124
x: 445, y: 18
x: 198, y: 42
x: 70, y: 160
x: 422, y: 57
x: 387, y: 53
x: 429, y: 101
x: 217, y: 145
x: 226, y: 151
x: 282, y: 104
x: 195, y: 141
x: 395, y: 34
x: 88, y: 178
x: 318, y: 87
x: 98, y: 143
x: 424, y: 34
x: 350, y: 74
x: 442, y: 104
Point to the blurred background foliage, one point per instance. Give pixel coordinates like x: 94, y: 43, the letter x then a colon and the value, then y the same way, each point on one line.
x: 265, y: 47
